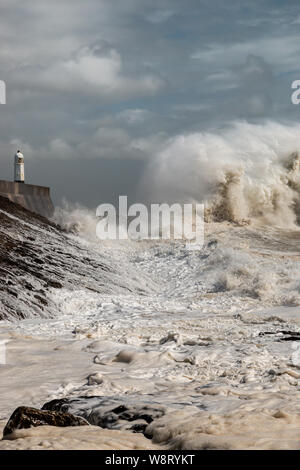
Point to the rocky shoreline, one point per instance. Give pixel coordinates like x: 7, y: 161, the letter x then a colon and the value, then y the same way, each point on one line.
x: 153, y: 345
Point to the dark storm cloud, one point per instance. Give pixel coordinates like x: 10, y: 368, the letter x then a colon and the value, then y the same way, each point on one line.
x: 94, y: 88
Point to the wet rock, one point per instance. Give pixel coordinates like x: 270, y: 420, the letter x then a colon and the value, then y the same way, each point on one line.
x: 139, y: 428
x: 42, y: 258
x: 25, y: 417
x: 55, y: 284
x: 176, y: 337
x: 97, y: 360
x: 283, y: 335
x: 41, y: 299
x: 110, y: 412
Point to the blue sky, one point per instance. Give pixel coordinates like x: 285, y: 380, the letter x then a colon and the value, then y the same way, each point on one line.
x: 95, y: 88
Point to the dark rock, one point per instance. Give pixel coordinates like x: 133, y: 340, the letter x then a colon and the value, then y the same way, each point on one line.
x: 55, y: 284
x: 283, y: 335
x: 110, y: 412
x: 41, y: 299
x: 25, y: 417
x: 139, y: 427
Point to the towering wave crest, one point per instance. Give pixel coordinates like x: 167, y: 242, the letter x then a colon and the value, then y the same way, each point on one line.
x: 76, y: 219
x: 244, y: 173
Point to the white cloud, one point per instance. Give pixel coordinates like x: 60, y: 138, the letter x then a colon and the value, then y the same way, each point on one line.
x: 91, y: 74
x: 105, y: 142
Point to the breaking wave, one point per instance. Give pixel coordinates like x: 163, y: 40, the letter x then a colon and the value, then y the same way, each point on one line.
x: 245, y: 173
x: 76, y: 219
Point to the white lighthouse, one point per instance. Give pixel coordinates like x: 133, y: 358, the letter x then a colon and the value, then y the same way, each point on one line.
x: 19, y: 167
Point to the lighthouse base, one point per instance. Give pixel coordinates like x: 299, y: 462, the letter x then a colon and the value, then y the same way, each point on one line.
x: 34, y: 198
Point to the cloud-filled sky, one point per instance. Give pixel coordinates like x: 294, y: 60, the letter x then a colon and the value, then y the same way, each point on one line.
x: 95, y: 88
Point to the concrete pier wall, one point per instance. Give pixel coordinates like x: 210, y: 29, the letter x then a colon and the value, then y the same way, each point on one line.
x: 34, y: 198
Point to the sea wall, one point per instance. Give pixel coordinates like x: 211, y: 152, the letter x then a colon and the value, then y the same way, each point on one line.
x: 34, y: 198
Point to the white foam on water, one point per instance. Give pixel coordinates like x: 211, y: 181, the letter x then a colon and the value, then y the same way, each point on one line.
x: 212, y: 334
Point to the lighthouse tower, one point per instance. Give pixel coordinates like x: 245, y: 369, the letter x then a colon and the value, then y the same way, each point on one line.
x: 19, y: 167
